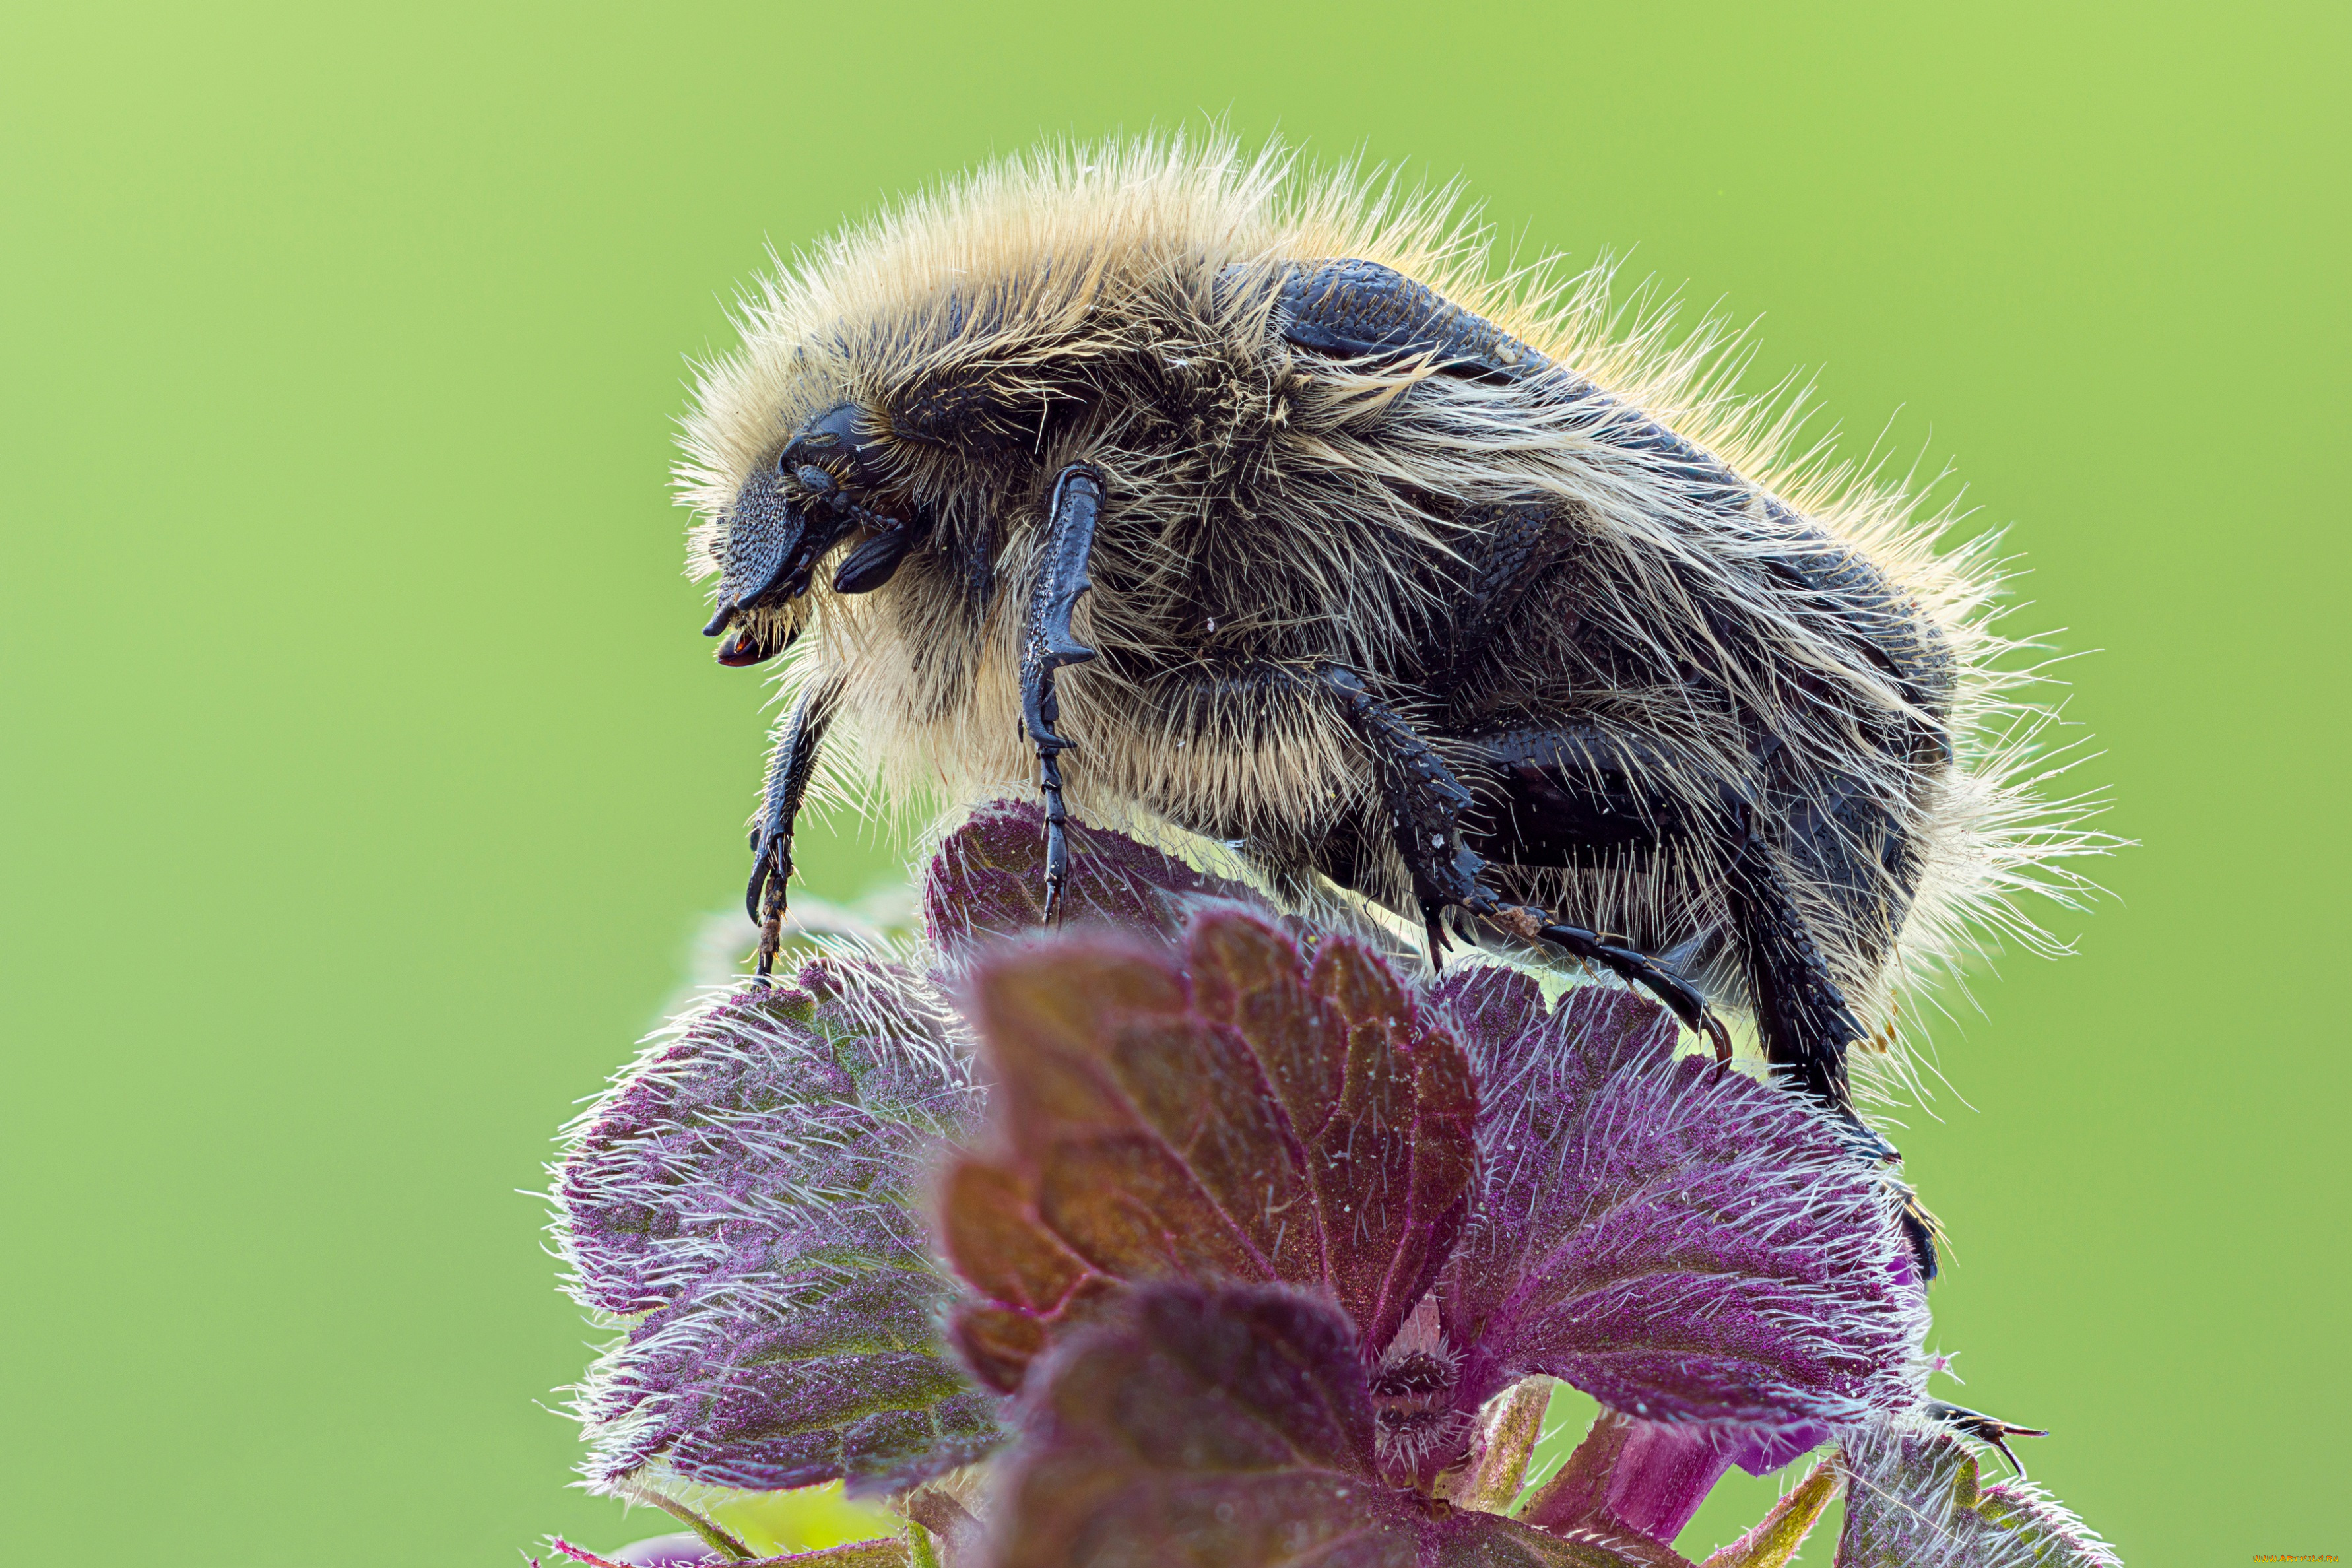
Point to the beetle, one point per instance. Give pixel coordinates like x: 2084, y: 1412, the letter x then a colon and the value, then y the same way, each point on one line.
x: 1182, y: 486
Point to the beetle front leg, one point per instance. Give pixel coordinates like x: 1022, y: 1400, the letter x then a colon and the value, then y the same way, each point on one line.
x: 790, y: 767
x: 1047, y: 644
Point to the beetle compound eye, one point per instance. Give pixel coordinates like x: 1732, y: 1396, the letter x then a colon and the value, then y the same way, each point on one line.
x: 841, y: 434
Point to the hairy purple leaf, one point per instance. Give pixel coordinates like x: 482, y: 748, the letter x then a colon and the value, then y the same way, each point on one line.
x: 742, y: 1195
x: 988, y: 883
x: 1189, y: 1427
x: 1913, y: 1499
x: 1681, y: 1242
x: 1252, y: 1116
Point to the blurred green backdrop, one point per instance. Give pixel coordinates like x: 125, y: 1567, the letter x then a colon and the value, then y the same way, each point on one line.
x: 365, y: 776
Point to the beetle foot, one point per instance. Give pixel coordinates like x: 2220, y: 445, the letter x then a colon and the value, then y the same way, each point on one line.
x: 1679, y: 997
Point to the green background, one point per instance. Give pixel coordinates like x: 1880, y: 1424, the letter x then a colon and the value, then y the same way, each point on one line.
x: 365, y: 777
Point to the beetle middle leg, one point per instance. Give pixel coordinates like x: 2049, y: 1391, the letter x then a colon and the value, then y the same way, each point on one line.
x: 1047, y: 644
x: 1429, y: 807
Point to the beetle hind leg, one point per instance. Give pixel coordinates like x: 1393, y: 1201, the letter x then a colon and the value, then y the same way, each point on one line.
x: 1808, y: 1027
x: 1564, y: 794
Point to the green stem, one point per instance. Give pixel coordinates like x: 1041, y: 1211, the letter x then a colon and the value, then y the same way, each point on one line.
x: 714, y: 1535
x: 1574, y: 1495
x: 1779, y: 1533
x: 882, y: 1551
x: 1514, y: 1422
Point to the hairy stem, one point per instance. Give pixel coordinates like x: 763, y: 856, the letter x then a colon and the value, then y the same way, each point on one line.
x: 882, y: 1551
x: 1779, y: 1533
x: 713, y: 1533
x: 1512, y: 1423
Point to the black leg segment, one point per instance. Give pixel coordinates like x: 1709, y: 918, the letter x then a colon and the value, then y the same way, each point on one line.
x: 1047, y: 644
x: 1806, y: 1026
x: 1569, y: 796
x: 1984, y: 1428
x: 789, y: 771
x: 1428, y: 805
x: 1517, y: 544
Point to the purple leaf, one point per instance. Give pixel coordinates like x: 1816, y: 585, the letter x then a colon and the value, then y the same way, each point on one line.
x: 1913, y: 1499
x: 1188, y: 1428
x: 1253, y: 1117
x: 1678, y: 1240
x: 743, y: 1195
x: 987, y: 883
